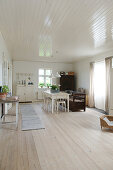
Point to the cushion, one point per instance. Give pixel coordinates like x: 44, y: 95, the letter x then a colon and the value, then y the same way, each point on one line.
x: 110, y: 123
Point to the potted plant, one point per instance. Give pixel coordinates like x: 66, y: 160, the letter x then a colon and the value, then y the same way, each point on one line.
x: 41, y: 85
x: 5, y: 89
x: 48, y: 85
x: 54, y: 88
x: 4, y: 92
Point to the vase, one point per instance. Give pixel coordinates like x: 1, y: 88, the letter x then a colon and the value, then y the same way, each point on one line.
x: 3, y: 96
x: 54, y: 91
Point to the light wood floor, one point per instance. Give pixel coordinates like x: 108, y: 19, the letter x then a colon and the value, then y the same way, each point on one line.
x: 71, y: 141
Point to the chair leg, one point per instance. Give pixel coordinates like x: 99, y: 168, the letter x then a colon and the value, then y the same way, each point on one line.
x: 57, y: 107
x: 62, y: 106
x: 50, y: 106
x: 47, y: 106
x: 65, y: 106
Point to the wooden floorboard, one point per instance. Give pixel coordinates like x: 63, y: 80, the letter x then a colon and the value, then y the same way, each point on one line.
x: 70, y: 141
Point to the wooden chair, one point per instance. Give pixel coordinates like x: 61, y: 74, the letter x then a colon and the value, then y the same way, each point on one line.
x: 106, y: 121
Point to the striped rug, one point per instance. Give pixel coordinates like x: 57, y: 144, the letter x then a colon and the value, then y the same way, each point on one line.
x: 30, y: 120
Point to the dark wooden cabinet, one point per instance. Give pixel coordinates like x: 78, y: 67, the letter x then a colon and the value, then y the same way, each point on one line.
x: 77, y: 101
x: 67, y: 82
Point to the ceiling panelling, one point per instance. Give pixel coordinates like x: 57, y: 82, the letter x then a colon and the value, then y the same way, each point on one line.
x: 56, y: 30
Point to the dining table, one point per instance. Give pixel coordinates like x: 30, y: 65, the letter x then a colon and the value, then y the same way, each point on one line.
x: 55, y: 95
x: 11, y: 99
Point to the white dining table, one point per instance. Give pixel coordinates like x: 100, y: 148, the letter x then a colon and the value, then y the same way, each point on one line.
x: 54, y: 96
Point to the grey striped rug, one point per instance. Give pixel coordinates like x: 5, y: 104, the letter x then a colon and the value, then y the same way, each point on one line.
x: 30, y: 120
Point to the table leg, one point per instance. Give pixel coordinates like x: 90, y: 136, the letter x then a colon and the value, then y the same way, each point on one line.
x: 52, y: 104
x: 44, y: 103
x: 3, y: 112
x: 16, y: 114
x: 68, y: 104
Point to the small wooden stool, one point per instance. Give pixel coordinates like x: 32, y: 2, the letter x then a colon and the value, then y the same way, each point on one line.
x: 106, y: 121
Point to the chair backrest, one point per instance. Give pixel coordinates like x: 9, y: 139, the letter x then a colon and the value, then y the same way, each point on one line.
x: 61, y: 96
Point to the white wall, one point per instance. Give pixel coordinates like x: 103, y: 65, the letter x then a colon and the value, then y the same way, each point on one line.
x: 82, y: 70
x: 0, y: 70
x: 32, y: 67
x: 4, y: 54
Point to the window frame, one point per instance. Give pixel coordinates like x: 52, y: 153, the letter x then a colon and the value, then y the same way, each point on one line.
x: 112, y: 63
x: 45, y: 76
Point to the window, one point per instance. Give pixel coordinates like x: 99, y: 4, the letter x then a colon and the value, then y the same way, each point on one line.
x: 112, y: 62
x: 44, y: 76
x: 99, y: 85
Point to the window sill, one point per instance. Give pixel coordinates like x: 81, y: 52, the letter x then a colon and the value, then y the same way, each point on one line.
x: 43, y: 88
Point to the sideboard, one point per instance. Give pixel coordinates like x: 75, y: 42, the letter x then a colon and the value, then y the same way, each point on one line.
x: 25, y: 93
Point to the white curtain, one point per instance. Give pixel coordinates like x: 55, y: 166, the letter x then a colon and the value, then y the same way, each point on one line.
x: 108, y: 62
x: 99, y: 85
x: 91, y: 102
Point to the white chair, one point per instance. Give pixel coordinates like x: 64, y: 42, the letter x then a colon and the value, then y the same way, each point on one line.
x: 47, y: 102
x: 61, y: 101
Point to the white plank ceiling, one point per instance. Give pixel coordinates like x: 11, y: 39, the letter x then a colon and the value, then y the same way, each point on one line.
x: 56, y: 30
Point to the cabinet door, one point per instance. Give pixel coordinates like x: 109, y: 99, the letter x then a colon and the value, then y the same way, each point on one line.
x: 40, y: 95
x: 30, y: 93
x: 67, y: 82
x: 20, y: 92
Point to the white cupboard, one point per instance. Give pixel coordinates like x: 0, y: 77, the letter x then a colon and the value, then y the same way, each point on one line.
x: 25, y: 93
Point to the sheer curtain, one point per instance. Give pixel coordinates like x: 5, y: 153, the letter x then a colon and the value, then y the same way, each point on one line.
x: 91, y: 91
x: 99, y: 85
x: 108, y: 62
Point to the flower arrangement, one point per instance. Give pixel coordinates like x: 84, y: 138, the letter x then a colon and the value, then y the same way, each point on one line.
x: 54, y: 88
